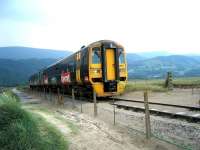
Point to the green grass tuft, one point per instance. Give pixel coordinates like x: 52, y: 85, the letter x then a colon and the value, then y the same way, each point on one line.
x: 8, y: 95
x: 22, y: 130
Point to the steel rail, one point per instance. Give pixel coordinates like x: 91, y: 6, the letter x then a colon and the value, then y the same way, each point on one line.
x: 190, y: 118
x: 162, y: 104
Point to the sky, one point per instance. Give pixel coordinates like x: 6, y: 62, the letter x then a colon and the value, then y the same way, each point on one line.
x: 139, y: 25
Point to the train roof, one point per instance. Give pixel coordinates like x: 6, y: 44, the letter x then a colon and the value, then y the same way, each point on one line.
x: 105, y: 42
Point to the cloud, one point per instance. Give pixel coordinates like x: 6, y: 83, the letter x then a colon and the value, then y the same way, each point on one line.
x: 143, y: 25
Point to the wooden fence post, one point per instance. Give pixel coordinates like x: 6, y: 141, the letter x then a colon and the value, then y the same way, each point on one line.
x: 114, y: 111
x: 63, y: 97
x: 44, y: 93
x: 81, y: 107
x: 73, y: 98
x: 193, y: 90
x: 168, y: 81
x: 39, y: 91
x: 80, y: 97
x: 50, y: 94
x: 147, y: 116
x: 58, y: 98
x: 95, y: 103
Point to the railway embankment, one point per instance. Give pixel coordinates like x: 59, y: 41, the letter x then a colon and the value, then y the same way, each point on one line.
x: 129, y: 129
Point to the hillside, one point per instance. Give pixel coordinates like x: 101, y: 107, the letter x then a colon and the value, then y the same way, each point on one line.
x: 132, y: 57
x: 158, y: 66
x: 18, y: 71
x: 27, y: 53
x: 154, y: 54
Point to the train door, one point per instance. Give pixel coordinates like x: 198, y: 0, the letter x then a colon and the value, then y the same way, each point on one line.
x: 110, y: 64
x: 78, y: 65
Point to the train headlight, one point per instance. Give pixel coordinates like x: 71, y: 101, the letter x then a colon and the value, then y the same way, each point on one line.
x: 96, y: 71
x: 86, y: 78
x: 122, y: 70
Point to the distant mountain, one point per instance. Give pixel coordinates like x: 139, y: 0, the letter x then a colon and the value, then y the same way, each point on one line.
x: 27, y: 53
x: 197, y: 57
x: 158, y: 66
x: 154, y: 54
x: 132, y: 57
x: 15, y: 72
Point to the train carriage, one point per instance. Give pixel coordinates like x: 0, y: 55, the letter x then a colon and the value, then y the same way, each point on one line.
x: 99, y: 67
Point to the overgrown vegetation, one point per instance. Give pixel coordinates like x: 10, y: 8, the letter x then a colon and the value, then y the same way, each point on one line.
x: 21, y: 130
x: 157, y: 85
x: 8, y: 95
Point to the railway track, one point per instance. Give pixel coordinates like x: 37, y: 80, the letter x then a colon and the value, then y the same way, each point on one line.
x: 193, y: 108
x: 179, y: 115
x: 167, y: 113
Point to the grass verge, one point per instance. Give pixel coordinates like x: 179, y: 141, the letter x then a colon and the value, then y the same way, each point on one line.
x: 187, y: 82
x: 22, y: 130
x: 151, y: 85
x: 157, y: 85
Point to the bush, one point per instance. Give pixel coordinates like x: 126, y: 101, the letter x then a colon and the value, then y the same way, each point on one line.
x: 21, y: 130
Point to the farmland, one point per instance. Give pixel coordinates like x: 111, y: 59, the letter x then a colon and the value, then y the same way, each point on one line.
x: 157, y: 85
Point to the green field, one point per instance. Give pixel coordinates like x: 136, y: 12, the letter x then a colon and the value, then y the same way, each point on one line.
x: 190, y: 81
x: 157, y: 85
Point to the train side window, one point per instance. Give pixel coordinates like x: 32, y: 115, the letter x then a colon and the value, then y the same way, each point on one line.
x: 121, y: 56
x: 96, y: 55
x: 85, y: 62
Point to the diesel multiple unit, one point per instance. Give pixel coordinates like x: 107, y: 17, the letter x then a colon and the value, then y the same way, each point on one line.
x: 100, y: 67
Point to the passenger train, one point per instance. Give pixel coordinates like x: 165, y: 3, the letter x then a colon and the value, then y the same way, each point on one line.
x: 100, y: 67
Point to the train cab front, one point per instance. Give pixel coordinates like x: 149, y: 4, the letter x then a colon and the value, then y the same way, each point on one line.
x: 108, y: 69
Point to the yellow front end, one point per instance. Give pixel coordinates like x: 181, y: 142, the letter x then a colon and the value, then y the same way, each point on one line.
x: 95, y: 72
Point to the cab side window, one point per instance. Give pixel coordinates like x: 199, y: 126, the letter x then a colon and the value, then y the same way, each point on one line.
x: 121, y: 56
x: 96, y: 55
